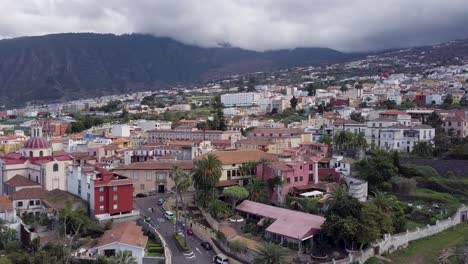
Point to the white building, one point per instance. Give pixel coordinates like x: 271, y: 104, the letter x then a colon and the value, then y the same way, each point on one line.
x: 127, y: 236
x: 121, y: 131
x: 239, y: 99
x: 434, y: 99
x: 180, y: 107
x: 146, y: 125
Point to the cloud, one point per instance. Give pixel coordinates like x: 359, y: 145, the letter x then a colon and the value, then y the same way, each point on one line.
x: 346, y: 25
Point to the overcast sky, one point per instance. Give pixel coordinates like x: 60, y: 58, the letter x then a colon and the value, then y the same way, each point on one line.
x: 346, y: 25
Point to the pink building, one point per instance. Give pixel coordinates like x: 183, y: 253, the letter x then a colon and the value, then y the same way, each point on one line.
x: 292, y: 174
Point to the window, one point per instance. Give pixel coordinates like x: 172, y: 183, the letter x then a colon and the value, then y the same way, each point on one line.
x: 115, y: 206
x: 288, y: 180
x: 311, y: 167
x: 101, y: 189
x: 101, y: 208
x: 41, y: 153
x: 229, y: 173
x: 301, y: 178
x: 135, y: 177
x: 38, y: 202
x: 300, y: 167
x: 19, y: 204
x: 114, y: 188
x: 149, y: 177
x: 380, y: 124
x: 233, y: 165
x: 142, y: 187
x: 101, y: 198
x: 373, y: 124
x: 295, y: 179
x: 55, y: 168
x: 116, y: 197
x: 459, y: 124
x: 37, y: 178
x: 31, y: 202
x: 31, y: 154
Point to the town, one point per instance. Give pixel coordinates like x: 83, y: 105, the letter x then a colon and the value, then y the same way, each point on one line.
x: 337, y: 163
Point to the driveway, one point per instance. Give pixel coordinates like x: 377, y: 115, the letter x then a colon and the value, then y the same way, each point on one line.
x: 167, y: 229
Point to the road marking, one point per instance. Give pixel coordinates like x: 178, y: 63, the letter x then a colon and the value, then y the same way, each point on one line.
x: 199, y: 251
x: 189, y: 254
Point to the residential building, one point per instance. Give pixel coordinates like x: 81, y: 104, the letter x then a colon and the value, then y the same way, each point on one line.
x: 192, y: 135
x: 121, y: 131
x: 281, y: 138
x: 29, y: 200
x: 456, y: 123
x: 182, y: 150
x: 127, y: 236
x: 146, y: 125
x: 239, y: 99
x: 110, y: 196
x: 180, y: 107
x: 152, y: 176
x: 17, y: 183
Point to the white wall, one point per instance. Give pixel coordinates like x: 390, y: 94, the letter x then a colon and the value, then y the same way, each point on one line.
x: 137, y: 252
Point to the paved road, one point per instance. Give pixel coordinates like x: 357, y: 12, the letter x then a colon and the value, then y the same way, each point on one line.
x: 166, y: 228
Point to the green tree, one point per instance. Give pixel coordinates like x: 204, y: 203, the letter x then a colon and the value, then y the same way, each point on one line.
x: 258, y: 191
x: 423, y: 149
x: 293, y: 102
x: 235, y: 193
x: 377, y: 169
x: 357, y: 116
x: 389, y: 104
x: 269, y: 253
x: 311, y: 90
x: 7, y: 236
x: 344, y: 88
x: 182, y: 182
x: 448, y: 100
x: 218, y: 209
x: 326, y: 139
x: 124, y: 257
x: 343, y: 139
x: 207, y: 172
x: 75, y: 127
x: 434, y: 120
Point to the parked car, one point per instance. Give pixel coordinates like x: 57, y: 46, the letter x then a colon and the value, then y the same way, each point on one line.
x: 206, y: 245
x: 189, y: 231
x: 147, y: 219
x: 161, y: 201
x: 141, y: 195
x: 168, y: 214
x: 220, y: 259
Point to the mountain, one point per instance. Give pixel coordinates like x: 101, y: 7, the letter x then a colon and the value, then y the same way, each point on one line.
x: 77, y: 65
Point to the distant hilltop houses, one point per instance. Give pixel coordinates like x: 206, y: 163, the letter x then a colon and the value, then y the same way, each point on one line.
x: 275, y: 151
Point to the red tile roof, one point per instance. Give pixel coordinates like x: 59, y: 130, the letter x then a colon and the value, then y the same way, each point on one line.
x: 156, y: 165
x: 289, y: 223
x: 126, y: 233
x: 29, y: 193
x: 20, y: 181
x: 6, y: 203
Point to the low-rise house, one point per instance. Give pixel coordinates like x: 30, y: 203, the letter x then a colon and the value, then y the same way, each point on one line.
x: 29, y: 200
x: 281, y: 138
x: 121, y: 237
x: 192, y: 134
x: 17, y: 183
x: 456, y: 123
x: 288, y: 228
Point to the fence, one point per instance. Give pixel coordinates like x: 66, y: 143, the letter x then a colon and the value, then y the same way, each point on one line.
x: 391, y: 243
x: 150, y: 228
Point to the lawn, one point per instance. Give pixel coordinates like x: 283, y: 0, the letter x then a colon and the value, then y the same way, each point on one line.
x: 428, y: 250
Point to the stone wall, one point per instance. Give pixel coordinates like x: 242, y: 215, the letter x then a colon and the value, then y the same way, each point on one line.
x: 391, y: 243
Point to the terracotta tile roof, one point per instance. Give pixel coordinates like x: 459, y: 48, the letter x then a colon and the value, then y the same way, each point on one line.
x: 126, y: 233
x: 289, y: 223
x: 156, y: 165
x: 268, y: 131
x: 20, y: 181
x: 393, y: 112
x: 6, y: 203
x: 255, y: 141
x: 281, y: 166
x: 240, y: 156
x: 29, y: 193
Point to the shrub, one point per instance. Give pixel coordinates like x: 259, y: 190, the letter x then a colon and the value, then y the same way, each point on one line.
x: 411, y: 170
x: 403, y: 185
x: 181, y: 243
x: 220, y: 236
x: 248, y: 235
x: 237, y: 246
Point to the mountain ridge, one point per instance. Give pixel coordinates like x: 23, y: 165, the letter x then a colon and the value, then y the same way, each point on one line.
x: 64, y: 66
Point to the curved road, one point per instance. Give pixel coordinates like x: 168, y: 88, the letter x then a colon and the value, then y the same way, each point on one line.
x: 199, y: 255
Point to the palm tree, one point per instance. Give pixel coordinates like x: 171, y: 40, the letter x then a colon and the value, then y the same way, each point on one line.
x: 269, y: 253
x: 124, y: 257
x: 182, y: 182
x: 249, y: 168
x: 207, y: 172
x: 257, y: 190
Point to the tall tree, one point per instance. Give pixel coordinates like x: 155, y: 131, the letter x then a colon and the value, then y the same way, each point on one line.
x: 434, y: 120
x: 207, y: 172
x: 235, y: 193
x: 269, y: 253
x: 182, y: 182
x: 311, y: 90
x: 293, y: 102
